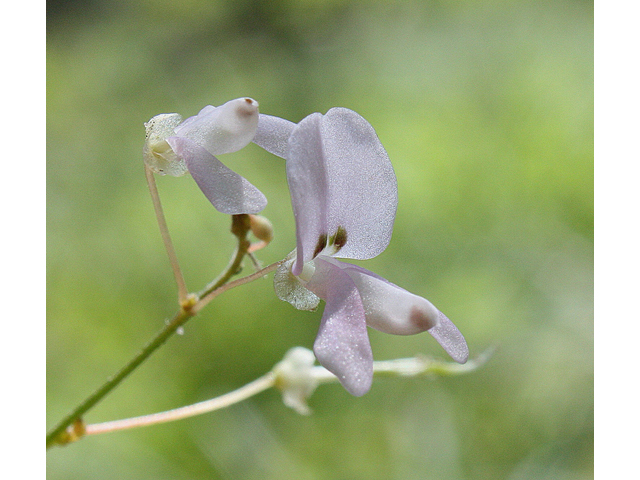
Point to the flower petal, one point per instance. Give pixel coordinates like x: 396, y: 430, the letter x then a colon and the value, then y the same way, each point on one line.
x: 450, y: 338
x: 342, y: 345
x: 388, y: 307
x: 306, y: 174
x: 226, y: 190
x: 342, y: 185
x: 223, y: 129
x: 363, y: 194
x: 273, y: 134
x: 392, y: 309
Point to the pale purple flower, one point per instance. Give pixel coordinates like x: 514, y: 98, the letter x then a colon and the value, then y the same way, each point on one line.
x: 174, y: 147
x: 344, y: 196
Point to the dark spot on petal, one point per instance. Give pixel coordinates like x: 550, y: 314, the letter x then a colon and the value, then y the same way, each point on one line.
x: 420, y: 319
x: 340, y: 238
x: 322, y: 242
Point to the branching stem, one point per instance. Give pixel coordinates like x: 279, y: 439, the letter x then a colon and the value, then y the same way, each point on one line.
x: 59, y: 434
x: 190, y: 307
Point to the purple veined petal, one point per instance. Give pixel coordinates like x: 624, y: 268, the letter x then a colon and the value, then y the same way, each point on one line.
x: 342, y: 345
x: 226, y: 190
x: 450, y: 338
x: 223, y: 129
x: 342, y: 186
x: 273, y: 134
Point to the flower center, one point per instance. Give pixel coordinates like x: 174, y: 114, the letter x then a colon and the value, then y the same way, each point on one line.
x: 161, y: 149
x: 308, y: 269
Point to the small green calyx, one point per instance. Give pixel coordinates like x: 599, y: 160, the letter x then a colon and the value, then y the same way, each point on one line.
x: 157, y: 153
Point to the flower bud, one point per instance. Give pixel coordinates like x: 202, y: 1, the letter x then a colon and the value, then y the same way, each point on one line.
x: 261, y: 227
x: 295, y: 380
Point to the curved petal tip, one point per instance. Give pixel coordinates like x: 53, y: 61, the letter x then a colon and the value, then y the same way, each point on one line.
x: 450, y: 338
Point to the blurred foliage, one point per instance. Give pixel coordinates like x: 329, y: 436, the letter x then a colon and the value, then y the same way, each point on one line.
x: 486, y: 110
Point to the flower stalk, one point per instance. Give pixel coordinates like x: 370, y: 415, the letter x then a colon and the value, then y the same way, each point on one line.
x: 166, y: 237
x: 69, y: 428
x: 60, y: 435
x: 344, y: 198
x: 295, y: 379
x: 247, y: 391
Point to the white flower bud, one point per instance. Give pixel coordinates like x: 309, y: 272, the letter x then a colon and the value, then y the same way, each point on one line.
x: 295, y: 380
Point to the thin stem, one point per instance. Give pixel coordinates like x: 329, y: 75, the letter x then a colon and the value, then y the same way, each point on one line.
x: 240, y: 227
x: 59, y: 433
x: 259, y: 385
x: 232, y: 268
x: 56, y: 435
x: 200, y: 304
x: 166, y: 238
x: 293, y: 377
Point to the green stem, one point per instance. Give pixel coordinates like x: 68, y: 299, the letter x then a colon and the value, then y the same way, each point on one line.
x: 200, y: 304
x: 59, y: 434
x: 240, y: 228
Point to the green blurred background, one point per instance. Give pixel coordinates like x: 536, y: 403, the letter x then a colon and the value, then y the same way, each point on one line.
x: 486, y: 110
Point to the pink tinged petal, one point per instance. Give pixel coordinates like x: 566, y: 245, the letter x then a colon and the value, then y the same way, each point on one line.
x: 306, y: 174
x: 223, y: 129
x: 226, y: 190
x: 273, y: 134
x: 362, y: 189
x: 450, y: 338
x: 342, y: 186
x: 389, y: 308
x: 342, y: 345
x: 392, y: 309
x: 192, y: 122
